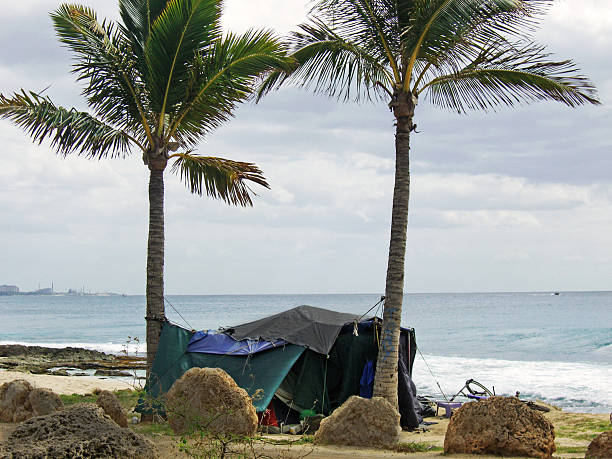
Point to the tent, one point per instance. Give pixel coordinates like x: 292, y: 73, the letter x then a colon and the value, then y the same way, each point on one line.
x: 304, y: 358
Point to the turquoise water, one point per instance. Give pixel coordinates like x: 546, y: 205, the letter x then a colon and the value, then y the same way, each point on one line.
x: 557, y: 348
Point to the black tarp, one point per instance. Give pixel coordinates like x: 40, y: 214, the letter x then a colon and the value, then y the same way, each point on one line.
x: 311, y: 379
x: 314, y: 328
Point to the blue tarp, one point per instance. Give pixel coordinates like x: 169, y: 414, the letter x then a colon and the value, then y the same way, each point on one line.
x: 211, y: 342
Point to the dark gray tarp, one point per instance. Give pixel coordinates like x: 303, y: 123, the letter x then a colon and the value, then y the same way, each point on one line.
x: 308, y: 326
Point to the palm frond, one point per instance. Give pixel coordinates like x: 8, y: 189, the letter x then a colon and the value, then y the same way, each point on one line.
x: 332, y: 66
x: 69, y: 131
x: 506, y: 74
x: 138, y: 15
x: 104, y: 63
x: 440, y: 29
x: 183, y: 29
x: 372, y: 25
x: 222, y: 78
x: 218, y: 178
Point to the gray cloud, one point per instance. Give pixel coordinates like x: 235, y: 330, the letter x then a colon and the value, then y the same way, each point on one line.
x: 515, y: 200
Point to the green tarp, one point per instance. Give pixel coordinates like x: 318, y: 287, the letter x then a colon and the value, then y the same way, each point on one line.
x: 259, y: 374
x: 323, y: 383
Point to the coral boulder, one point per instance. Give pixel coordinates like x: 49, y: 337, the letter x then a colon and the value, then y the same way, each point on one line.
x: 82, y: 431
x: 502, y: 426
x: 44, y: 401
x: 601, y: 446
x: 20, y: 401
x: 13, y: 396
x: 361, y: 422
x: 111, y: 406
x: 209, y: 399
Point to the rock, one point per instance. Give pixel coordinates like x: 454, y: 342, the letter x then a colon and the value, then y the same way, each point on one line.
x: 112, y: 373
x: 361, y: 422
x: 59, y: 373
x: 21, y: 414
x: 19, y: 401
x: 52, y: 353
x: 8, y: 364
x: 13, y: 396
x: 81, y: 430
x: 38, y: 370
x: 601, y: 446
x: 111, y: 406
x: 501, y: 426
x: 44, y: 401
x: 209, y: 399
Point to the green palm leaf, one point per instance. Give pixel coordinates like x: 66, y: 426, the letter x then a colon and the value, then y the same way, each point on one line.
x: 369, y: 24
x: 104, y: 62
x: 506, y: 75
x: 336, y: 66
x: 138, y: 15
x: 444, y: 31
x: 183, y: 29
x: 218, y: 178
x: 69, y: 131
x: 331, y: 65
x: 222, y: 78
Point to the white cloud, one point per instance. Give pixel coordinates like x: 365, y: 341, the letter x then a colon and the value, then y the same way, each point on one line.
x: 514, y: 201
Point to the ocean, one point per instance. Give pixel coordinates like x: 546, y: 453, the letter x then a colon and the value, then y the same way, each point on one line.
x: 554, y: 348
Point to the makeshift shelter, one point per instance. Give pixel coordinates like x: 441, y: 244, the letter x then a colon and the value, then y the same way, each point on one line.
x: 306, y: 358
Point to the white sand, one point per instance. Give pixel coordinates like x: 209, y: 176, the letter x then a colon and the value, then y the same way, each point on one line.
x: 66, y: 384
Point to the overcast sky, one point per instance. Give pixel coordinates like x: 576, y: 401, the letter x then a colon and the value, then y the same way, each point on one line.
x: 517, y: 200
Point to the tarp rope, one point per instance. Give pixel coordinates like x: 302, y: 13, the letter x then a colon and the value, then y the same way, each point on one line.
x: 432, y: 375
x: 180, y: 315
x: 382, y: 298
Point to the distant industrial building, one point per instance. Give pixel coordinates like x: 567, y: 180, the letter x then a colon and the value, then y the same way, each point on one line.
x: 9, y: 290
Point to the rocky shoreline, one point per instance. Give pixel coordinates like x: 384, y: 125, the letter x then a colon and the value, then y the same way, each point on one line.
x: 56, y: 361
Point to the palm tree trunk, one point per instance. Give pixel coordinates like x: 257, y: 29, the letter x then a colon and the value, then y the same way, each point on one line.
x: 385, y: 381
x: 155, y: 265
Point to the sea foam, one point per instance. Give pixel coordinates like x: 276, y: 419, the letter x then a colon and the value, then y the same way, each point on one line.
x: 572, y: 386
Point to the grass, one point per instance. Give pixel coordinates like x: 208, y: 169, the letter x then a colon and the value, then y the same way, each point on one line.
x: 571, y: 449
x: 582, y: 428
x: 416, y: 447
x: 76, y: 398
x: 154, y: 428
x: 127, y: 398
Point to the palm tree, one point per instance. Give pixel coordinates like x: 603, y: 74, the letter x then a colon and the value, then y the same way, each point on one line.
x: 461, y: 54
x: 158, y: 82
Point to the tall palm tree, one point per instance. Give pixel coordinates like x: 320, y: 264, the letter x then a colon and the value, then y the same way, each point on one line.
x: 158, y: 81
x: 460, y: 54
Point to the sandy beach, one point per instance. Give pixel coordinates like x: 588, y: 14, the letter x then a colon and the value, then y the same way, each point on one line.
x: 66, y: 384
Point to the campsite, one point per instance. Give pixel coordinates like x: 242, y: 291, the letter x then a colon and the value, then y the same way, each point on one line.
x: 305, y: 358
x: 197, y: 222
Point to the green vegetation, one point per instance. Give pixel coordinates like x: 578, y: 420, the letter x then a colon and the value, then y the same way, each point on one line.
x: 416, y: 447
x: 571, y: 449
x: 154, y: 428
x: 128, y: 398
x: 582, y: 428
x: 77, y: 398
